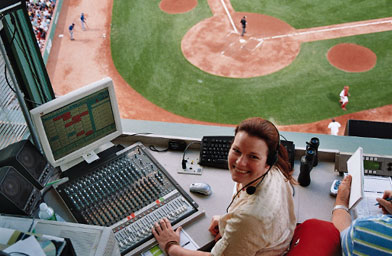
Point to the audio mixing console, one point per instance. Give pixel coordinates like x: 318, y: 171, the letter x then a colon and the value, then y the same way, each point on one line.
x: 129, y: 193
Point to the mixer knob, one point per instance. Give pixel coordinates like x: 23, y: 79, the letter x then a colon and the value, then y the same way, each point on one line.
x: 120, y: 243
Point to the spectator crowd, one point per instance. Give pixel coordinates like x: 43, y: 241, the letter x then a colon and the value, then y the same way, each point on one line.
x: 40, y: 13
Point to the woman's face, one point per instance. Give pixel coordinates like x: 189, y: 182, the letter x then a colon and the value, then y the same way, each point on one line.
x: 247, y: 158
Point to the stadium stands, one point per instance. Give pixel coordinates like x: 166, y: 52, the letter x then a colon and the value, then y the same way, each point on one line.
x: 40, y: 13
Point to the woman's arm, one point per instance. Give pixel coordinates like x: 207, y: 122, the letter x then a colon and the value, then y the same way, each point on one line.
x: 341, y: 218
x: 169, y: 240
x: 214, y: 227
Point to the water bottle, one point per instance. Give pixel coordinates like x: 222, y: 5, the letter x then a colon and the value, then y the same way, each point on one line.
x: 46, y: 212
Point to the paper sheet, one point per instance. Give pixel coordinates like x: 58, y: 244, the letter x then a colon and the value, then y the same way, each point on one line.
x: 355, y: 169
x: 374, y: 186
x: 28, y: 246
x: 185, y: 241
x: 86, y: 239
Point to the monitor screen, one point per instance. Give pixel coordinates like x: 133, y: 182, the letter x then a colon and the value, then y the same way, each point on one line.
x: 78, y: 123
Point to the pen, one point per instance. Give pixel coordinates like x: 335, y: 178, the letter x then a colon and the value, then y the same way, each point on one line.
x: 388, y: 199
x: 61, y: 181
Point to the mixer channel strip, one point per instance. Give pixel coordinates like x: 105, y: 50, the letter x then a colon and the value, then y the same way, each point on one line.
x: 129, y: 193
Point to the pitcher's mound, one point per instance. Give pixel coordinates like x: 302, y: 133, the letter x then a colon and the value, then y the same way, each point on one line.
x: 352, y: 57
x: 177, y: 6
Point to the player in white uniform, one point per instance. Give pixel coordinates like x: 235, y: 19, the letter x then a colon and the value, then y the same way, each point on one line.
x: 334, y: 127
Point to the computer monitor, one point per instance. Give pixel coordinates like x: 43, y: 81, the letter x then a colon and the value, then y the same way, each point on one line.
x: 77, y: 126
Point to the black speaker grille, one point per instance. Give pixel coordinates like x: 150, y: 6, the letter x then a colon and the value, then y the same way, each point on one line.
x: 16, y: 188
x: 32, y: 160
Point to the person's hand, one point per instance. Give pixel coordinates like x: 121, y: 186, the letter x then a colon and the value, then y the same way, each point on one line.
x: 386, y: 206
x: 214, y: 227
x: 164, y: 233
x: 343, y: 196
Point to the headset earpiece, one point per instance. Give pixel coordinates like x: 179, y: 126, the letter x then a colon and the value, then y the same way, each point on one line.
x: 273, y: 158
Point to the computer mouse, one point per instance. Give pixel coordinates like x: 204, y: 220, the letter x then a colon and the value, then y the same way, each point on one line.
x: 200, y: 188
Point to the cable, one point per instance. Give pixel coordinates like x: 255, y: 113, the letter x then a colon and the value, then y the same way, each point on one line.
x: 31, y: 226
x: 283, y: 137
x: 292, y: 186
x: 247, y: 185
x: 5, y: 66
x: 183, y: 162
x: 141, y: 133
x: 12, y: 89
x: 29, y: 230
x: 21, y: 253
x: 153, y: 148
x: 6, y: 79
x: 23, y: 50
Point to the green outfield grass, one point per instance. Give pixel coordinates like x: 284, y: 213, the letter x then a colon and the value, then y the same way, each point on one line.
x: 145, y: 44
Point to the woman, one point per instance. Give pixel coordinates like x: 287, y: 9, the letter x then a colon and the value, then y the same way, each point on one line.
x: 260, y: 220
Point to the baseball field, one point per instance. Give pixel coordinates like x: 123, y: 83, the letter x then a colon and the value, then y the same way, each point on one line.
x: 147, y: 47
x: 183, y: 61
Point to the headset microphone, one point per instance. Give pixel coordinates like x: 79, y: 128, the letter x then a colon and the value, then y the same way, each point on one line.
x: 250, y: 190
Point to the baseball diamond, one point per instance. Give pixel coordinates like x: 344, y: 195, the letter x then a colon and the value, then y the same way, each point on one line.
x: 183, y: 61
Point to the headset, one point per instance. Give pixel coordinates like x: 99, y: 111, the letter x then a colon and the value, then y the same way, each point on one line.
x: 272, y: 159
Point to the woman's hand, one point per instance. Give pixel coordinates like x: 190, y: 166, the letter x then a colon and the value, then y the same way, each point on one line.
x: 164, y: 233
x: 214, y: 227
x: 385, y: 205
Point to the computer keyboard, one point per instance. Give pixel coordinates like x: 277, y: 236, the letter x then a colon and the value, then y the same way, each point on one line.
x: 214, y: 151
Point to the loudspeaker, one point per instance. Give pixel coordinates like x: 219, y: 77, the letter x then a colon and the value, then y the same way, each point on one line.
x: 290, y: 147
x: 27, y: 160
x: 17, y: 194
x: 369, y: 129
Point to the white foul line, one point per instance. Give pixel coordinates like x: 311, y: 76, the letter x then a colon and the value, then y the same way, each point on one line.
x: 228, y: 14
x: 328, y: 29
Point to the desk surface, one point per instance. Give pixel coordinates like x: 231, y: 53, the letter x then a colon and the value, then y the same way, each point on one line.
x: 313, y: 201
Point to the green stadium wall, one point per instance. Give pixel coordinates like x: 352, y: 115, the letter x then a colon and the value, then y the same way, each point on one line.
x: 51, y: 31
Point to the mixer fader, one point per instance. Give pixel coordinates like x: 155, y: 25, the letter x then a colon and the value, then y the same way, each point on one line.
x: 128, y: 193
